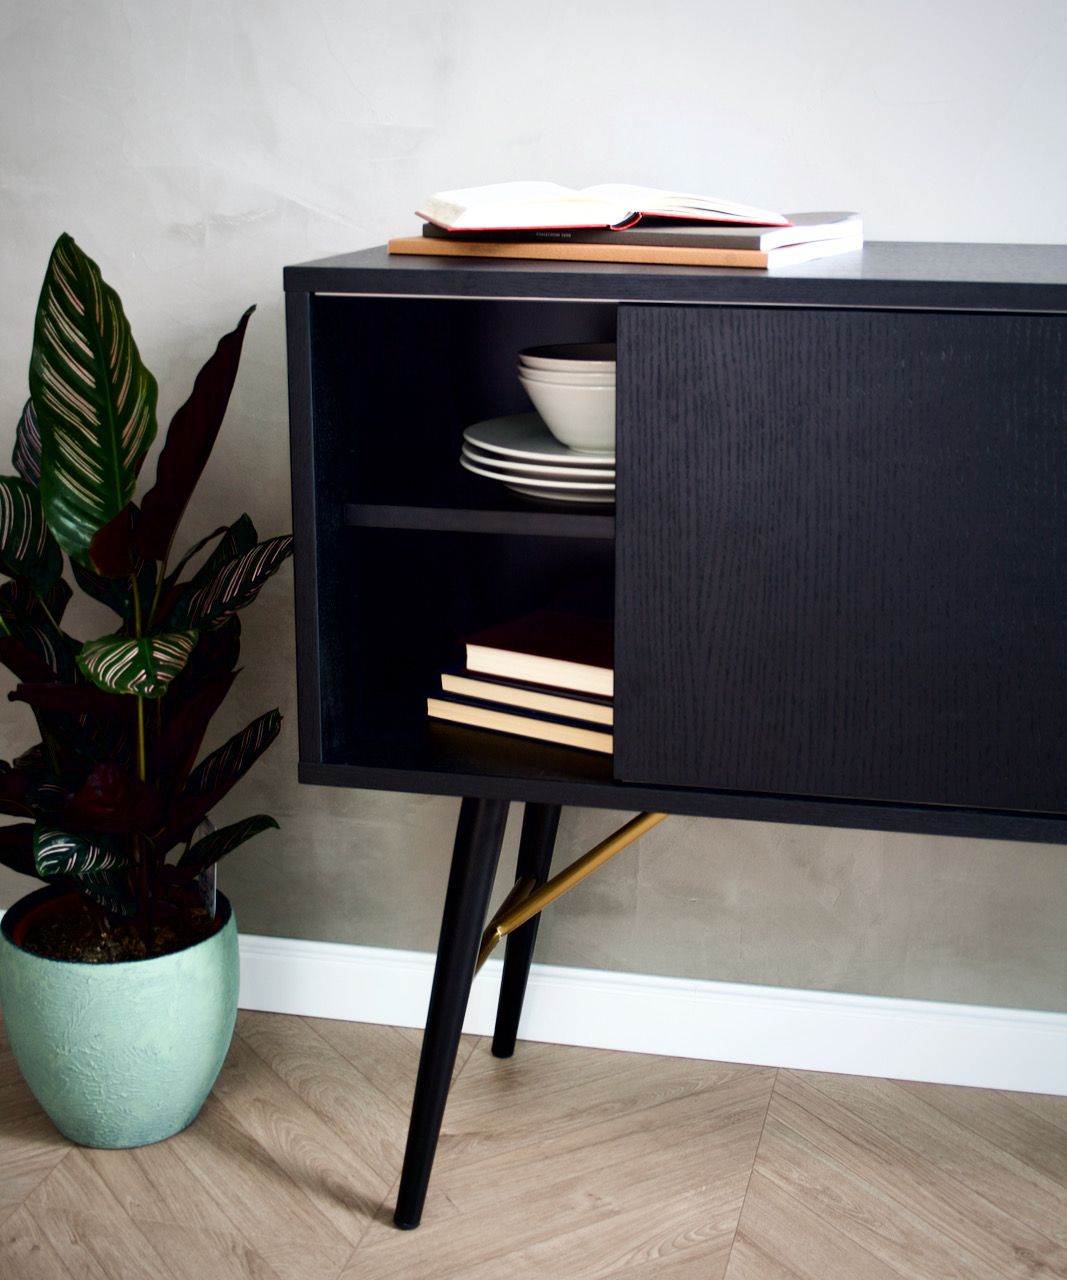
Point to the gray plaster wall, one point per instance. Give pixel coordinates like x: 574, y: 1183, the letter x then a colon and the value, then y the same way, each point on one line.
x: 193, y: 148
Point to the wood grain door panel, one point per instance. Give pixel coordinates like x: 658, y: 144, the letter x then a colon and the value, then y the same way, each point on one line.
x: 842, y: 561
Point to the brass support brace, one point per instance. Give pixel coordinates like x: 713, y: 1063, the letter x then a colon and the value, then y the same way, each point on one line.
x: 525, y: 901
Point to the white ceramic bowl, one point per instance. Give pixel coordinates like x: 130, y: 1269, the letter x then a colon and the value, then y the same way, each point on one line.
x: 571, y: 355
x: 569, y: 378
x: 582, y: 418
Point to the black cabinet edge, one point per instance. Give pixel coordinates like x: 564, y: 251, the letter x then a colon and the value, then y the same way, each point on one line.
x: 897, y: 275
x: 795, y: 810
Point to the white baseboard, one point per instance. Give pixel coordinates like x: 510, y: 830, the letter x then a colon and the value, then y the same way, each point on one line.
x: 718, y: 1021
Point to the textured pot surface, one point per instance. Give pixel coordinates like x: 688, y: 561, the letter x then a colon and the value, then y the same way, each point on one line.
x: 120, y: 1055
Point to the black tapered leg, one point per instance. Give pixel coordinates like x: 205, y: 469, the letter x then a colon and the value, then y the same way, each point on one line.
x: 479, y: 835
x: 539, y: 825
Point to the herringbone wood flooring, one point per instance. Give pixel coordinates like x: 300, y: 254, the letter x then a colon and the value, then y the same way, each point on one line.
x: 558, y: 1163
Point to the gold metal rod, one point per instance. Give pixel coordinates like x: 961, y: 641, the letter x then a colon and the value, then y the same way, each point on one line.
x: 513, y: 914
x: 519, y: 892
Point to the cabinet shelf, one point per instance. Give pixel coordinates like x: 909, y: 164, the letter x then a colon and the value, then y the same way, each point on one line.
x: 555, y: 524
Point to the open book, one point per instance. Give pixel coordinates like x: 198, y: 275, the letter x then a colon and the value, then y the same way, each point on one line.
x: 520, y: 205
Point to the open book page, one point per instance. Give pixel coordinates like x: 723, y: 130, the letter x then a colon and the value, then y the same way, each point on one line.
x: 528, y: 205
x: 651, y: 200
x: 519, y: 205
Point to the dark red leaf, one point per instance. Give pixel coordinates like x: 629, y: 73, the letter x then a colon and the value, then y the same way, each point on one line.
x: 80, y: 699
x: 216, y: 653
x: 14, y: 783
x: 111, y: 550
x: 190, y: 439
x: 174, y: 752
x: 23, y: 662
x: 16, y: 849
x: 169, y: 598
x: 113, y: 801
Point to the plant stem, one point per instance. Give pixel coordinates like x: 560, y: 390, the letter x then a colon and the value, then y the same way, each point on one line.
x: 142, y: 758
x: 135, y: 591
x: 142, y: 763
x: 144, y: 877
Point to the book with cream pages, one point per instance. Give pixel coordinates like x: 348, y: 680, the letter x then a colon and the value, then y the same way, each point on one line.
x: 517, y: 205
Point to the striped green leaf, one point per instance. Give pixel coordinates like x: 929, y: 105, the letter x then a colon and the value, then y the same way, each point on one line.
x: 111, y: 889
x: 238, y: 540
x: 144, y: 666
x: 201, y: 855
x: 27, y: 549
x: 27, y: 455
x: 94, y: 399
x: 216, y: 773
x: 65, y: 853
x: 235, y: 585
x: 19, y: 603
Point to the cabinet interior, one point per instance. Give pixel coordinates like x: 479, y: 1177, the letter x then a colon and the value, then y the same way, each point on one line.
x: 418, y: 552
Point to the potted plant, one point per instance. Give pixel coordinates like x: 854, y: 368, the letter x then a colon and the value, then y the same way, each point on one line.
x: 118, y: 980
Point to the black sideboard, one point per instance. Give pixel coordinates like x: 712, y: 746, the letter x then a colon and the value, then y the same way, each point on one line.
x: 837, y: 562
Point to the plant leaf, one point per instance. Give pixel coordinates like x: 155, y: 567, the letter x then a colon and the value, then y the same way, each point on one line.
x: 197, y: 546
x: 228, y: 549
x: 235, y: 585
x: 114, y: 592
x: 27, y: 549
x: 38, y: 653
x: 198, y: 857
x: 95, y: 401
x: 111, y: 890
x: 16, y: 849
x: 239, y: 538
x: 66, y: 853
x: 142, y: 666
x: 20, y: 605
x: 190, y: 439
x: 73, y: 699
x: 174, y: 752
x: 14, y: 783
x: 27, y: 619
x: 217, y: 773
x: 112, y: 801
x: 26, y: 458
x: 217, y: 651
x: 24, y: 662
x: 111, y: 551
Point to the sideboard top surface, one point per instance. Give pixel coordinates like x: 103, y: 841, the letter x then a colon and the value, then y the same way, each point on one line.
x: 912, y: 274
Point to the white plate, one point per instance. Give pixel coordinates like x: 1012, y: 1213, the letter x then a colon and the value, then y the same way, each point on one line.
x: 536, y: 482
x: 561, y: 472
x: 566, y: 378
x: 586, y: 495
x: 524, y: 435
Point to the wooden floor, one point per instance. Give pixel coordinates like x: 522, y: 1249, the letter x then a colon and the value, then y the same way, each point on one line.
x: 558, y: 1163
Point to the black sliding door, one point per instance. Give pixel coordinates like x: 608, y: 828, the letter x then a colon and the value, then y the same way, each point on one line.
x: 842, y: 554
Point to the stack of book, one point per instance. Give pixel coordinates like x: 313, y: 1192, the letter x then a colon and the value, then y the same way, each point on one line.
x: 619, y: 223
x: 547, y: 676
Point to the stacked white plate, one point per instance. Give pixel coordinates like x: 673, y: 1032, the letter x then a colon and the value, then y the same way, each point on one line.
x: 521, y: 452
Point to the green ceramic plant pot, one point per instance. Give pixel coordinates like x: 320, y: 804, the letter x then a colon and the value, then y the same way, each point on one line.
x: 119, y: 1055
